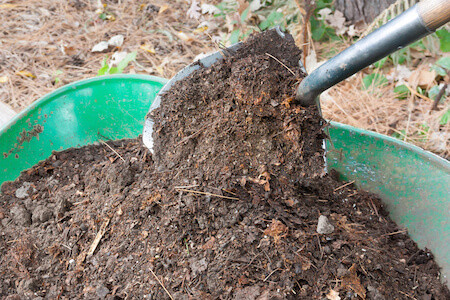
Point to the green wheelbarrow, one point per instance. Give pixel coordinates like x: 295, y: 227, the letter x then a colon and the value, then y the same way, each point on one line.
x: 413, y: 183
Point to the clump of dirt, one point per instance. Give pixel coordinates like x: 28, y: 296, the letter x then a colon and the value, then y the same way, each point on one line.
x: 233, y: 205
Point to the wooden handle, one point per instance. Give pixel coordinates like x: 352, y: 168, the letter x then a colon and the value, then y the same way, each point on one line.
x: 434, y: 13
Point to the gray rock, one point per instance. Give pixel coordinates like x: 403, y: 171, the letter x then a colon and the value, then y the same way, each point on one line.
x: 102, y: 291
x: 198, y: 266
x: 22, y: 192
x: 247, y: 293
x: 41, y: 214
x: 374, y: 293
x: 324, y: 226
x: 20, y: 215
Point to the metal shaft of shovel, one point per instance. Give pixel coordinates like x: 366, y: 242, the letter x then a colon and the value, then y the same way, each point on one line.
x: 413, y: 24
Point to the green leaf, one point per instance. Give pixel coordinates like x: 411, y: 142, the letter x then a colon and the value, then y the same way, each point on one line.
x: 124, y: 62
x: 104, y: 68
x: 399, y: 135
x: 444, y: 62
x: 103, y: 16
x: 445, y: 117
x: 113, y: 70
x: 420, y: 90
x: 323, y: 3
x: 439, y: 70
x: 402, y: 91
x: 374, y: 79
x: 444, y: 39
x: 425, y: 129
x: 432, y: 93
x: 380, y: 63
x: 317, y: 29
x: 271, y: 20
x: 234, y: 37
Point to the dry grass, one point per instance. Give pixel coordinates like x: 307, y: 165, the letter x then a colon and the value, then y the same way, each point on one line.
x: 43, y: 37
x: 378, y: 109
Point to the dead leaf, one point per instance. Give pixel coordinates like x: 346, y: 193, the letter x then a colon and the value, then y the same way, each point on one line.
x: 184, y: 37
x: 242, y: 6
x: 209, y: 244
x: 351, y: 280
x: 305, y: 262
x: 7, y: 5
x: 209, y: 9
x: 68, y: 50
x: 194, y: 11
x: 200, y: 29
x: 277, y: 230
x: 116, y: 41
x: 324, y: 13
x: 342, y: 222
x: 3, y: 79
x: 337, y: 20
x: 333, y: 295
x: 163, y: 9
x: 100, y: 47
x: 24, y: 73
x: 150, y: 200
x: 119, y: 211
x: 149, y: 48
x: 422, y: 78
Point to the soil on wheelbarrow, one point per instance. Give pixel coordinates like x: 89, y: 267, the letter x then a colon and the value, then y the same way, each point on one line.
x: 233, y: 205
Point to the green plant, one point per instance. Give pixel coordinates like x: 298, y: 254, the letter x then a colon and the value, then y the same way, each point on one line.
x: 444, y: 39
x: 445, y: 118
x: 401, y: 135
x: 56, y: 79
x: 402, y: 91
x: 106, y: 69
x: 374, y: 80
x: 320, y: 31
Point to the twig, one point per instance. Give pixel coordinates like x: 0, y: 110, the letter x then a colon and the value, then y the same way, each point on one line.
x: 98, y: 237
x: 185, y: 186
x: 343, y: 186
x: 113, y: 150
x: 438, y: 97
x: 408, y: 295
x: 271, y: 273
x: 208, y: 194
x: 184, y: 140
x: 396, y: 232
x: 270, y: 55
x: 162, y: 285
x: 417, y: 94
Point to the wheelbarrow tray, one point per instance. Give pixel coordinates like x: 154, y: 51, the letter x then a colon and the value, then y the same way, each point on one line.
x: 413, y: 183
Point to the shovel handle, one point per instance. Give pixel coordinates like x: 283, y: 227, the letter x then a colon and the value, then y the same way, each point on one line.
x: 434, y: 13
x: 413, y: 24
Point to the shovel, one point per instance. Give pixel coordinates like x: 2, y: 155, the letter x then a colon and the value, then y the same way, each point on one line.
x: 413, y: 24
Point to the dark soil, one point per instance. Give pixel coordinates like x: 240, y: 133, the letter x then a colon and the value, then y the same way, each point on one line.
x: 227, y: 208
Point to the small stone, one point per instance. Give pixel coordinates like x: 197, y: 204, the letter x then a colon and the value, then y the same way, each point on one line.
x: 102, y: 291
x: 324, y: 226
x: 22, y: 192
x: 374, y: 293
x: 20, y: 215
x: 198, y: 266
x: 41, y: 214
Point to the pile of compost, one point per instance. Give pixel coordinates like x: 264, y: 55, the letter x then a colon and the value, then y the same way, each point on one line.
x: 233, y: 204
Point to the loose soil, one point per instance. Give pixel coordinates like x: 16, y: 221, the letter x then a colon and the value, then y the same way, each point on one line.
x: 233, y: 205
